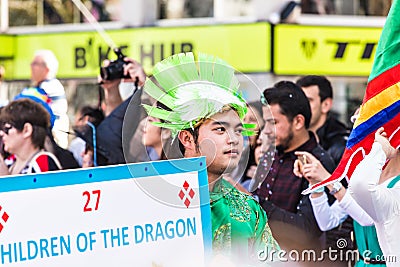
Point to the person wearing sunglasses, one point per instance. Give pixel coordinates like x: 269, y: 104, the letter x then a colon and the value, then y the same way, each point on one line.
x: 24, y: 124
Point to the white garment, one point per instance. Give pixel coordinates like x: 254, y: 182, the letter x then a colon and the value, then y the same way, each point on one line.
x: 380, y: 202
x: 77, y: 147
x: 329, y: 217
x: 59, y: 106
x: 56, y: 92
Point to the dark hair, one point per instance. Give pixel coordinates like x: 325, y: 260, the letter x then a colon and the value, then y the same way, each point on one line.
x: 25, y: 110
x: 101, y: 159
x: 64, y: 156
x: 195, y: 134
x: 324, y: 85
x: 163, y: 155
x: 291, y: 100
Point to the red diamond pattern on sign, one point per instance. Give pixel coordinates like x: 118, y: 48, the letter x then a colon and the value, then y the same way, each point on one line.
x: 191, y: 193
x: 187, y: 203
x: 187, y: 193
x: 186, y: 185
x: 181, y: 194
x: 4, y: 217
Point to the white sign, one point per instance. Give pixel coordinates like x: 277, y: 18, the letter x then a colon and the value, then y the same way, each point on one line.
x: 148, y: 214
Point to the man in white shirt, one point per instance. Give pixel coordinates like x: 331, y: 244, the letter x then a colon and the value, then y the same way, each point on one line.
x: 44, y: 67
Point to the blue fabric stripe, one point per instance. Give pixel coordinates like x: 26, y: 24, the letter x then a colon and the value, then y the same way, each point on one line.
x: 371, y: 125
x: 58, y: 97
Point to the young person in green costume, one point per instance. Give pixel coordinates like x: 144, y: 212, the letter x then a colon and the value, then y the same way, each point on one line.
x: 205, y: 114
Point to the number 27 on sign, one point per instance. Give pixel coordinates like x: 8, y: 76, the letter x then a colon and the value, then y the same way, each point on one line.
x: 90, y: 196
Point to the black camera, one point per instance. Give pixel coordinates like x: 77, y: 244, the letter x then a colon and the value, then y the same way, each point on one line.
x: 116, y: 68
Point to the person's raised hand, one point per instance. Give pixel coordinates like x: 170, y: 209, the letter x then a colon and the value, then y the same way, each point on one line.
x: 381, y: 138
x: 135, y: 71
x: 311, y: 169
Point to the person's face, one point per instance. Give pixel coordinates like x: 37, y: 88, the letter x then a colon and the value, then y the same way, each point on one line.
x: 80, y: 120
x: 278, y: 127
x: 151, y: 133
x: 267, y: 135
x: 258, y: 151
x: 87, y: 159
x: 220, y: 140
x: 312, y: 93
x: 12, y: 138
x: 39, y: 70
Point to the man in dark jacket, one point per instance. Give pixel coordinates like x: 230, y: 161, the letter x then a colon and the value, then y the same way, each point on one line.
x: 116, y: 130
x: 332, y: 134
x: 287, y: 115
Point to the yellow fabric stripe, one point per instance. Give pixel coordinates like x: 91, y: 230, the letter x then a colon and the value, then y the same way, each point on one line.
x: 379, y: 102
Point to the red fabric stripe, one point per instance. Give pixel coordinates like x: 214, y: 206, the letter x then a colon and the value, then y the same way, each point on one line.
x: 43, y: 162
x: 366, y: 143
x: 390, y: 127
x: 381, y: 82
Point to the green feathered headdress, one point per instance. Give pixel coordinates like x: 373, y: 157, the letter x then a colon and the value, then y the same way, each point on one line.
x: 193, y: 91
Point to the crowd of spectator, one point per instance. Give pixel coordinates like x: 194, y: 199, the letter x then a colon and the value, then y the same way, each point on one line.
x: 295, y: 143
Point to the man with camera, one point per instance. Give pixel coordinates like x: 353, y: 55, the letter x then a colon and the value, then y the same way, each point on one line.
x: 123, y: 69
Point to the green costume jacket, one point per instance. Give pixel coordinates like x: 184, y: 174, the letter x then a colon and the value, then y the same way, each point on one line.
x: 239, y: 226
